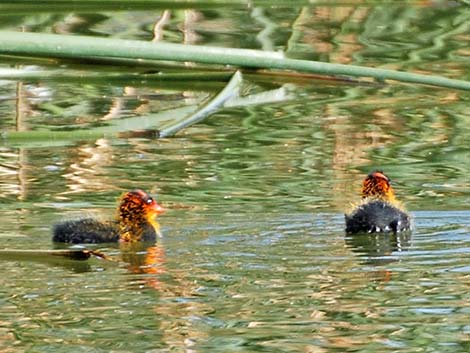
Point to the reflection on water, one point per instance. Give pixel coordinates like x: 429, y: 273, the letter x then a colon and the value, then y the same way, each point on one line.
x: 278, y: 282
x: 145, y: 259
x: 254, y: 257
x: 379, y: 247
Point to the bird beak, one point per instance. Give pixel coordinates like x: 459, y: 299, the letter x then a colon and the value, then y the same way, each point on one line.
x: 157, y: 208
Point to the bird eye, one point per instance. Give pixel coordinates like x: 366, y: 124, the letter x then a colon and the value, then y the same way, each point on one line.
x: 149, y: 201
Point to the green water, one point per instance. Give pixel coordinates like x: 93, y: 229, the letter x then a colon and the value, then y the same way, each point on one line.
x: 254, y: 257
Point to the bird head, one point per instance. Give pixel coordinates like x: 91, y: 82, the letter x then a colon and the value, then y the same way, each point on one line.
x: 137, y: 208
x: 377, y: 185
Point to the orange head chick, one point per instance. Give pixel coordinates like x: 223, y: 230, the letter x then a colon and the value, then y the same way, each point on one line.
x: 379, y: 211
x: 377, y: 185
x: 137, y: 217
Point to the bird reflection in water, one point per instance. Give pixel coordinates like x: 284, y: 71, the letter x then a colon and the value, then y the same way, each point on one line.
x: 379, y: 248
x: 142, y: 258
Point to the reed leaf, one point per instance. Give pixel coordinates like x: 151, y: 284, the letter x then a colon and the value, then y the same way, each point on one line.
x: 230, y: 91
x: 158, y: 125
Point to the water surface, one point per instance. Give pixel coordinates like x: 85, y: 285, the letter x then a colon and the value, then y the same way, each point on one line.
x: 254, y: 256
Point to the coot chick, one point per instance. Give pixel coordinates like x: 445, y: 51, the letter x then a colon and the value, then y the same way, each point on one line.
x: 135, y: 221
x: 379, y: 211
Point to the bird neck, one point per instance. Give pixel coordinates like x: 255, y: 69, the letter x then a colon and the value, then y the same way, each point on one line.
x: 136, y: 229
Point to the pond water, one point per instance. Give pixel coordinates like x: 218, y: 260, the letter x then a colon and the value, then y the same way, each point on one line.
x: 254, y: 257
